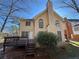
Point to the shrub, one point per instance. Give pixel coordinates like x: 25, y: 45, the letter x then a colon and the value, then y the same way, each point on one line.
x: 48, y: 40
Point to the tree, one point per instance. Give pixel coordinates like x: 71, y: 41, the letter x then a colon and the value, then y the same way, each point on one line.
x: 74, y: 4
x: 9, y: 9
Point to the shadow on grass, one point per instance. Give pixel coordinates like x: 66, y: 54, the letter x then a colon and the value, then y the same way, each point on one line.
x: 70, y: 52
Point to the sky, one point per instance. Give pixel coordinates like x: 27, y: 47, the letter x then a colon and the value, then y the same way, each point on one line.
x: 38, y: 7
x: 34, y: 7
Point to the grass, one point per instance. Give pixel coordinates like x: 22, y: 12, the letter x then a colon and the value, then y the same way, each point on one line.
x: 73, y: 48
x: 74, y: 43
x: 70, y: 52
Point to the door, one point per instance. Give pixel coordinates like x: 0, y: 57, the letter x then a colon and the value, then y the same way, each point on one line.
x: 59, y: 34
x: 31, y: 35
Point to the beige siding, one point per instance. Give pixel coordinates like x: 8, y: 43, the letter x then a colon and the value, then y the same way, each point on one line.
x: 45, y: 19
x: 23, y: 26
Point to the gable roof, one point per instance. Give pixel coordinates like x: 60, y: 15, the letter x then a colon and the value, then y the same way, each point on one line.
x: 76, y: 25
x: 22, y: 19
x: 40, y: 13
x: 73, y: 20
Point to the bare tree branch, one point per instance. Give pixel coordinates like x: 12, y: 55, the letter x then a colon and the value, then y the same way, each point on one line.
x: 75, y: 5
x: 68, y: 5
x: 72, y: 5
x: 11, y: 7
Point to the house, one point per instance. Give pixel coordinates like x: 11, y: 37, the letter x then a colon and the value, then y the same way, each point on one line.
x: 72, y: 28
x: 75, y: 25
x: 75, y: 28
x: 68, y: 30
x: 2, y: 35
x: 48, y: 20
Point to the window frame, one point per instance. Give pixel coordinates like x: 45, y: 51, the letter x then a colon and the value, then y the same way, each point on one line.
x: 25, y: 34
x: 76, y: 28
x: 28, y: 23
x: 41, y: 23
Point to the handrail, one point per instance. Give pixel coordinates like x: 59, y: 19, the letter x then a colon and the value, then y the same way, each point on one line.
x: 16, y: 41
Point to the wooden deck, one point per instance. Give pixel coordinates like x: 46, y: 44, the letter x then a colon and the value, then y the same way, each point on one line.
x: 21, y: 48
x: 16, y: 42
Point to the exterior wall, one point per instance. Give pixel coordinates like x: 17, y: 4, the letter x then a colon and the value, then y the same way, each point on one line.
x: 52, y: 26
x: 69, y: 30
x: 74, y: 23
x: 30, y: 28
x: 75, y: 35
x: 45, y: 19
x: 61, y: 27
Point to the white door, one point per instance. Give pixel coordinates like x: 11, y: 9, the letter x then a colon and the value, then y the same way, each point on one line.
x: 30, y: 35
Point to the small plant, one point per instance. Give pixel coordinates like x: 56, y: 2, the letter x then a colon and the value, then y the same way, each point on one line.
x: 48, y: 40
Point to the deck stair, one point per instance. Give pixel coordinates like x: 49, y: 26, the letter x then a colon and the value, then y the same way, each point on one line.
x: 30, y: 48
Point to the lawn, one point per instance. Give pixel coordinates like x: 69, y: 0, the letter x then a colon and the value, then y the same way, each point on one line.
x: 74, y: 43
x: 71, y: 52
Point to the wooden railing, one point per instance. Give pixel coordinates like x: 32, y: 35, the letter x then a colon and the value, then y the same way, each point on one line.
x: 16, y: 41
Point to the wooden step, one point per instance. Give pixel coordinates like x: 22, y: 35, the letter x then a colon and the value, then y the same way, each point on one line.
x: 30, y: 49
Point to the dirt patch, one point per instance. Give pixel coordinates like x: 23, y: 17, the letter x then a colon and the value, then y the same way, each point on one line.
x: 20, y: 53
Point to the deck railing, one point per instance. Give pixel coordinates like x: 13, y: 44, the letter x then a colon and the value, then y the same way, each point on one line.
x: 16, y: 41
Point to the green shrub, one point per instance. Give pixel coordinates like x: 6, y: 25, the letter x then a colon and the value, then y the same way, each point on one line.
x: 49, y: 41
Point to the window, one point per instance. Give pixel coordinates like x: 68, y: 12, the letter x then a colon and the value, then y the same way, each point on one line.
x: 25, y: 34
x: 57, y: 23
x: 76, y: 28
x: 59, y: 34
x: 28, y: 23
x: 41, y: 24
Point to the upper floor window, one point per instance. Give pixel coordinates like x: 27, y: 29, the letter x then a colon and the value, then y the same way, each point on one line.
x: 57, y: 23
x: 41, y: 23
x: 28, y: 23
x: 76, y: 28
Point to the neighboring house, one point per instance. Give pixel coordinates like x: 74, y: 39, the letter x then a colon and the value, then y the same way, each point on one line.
x: 48, y: 20
x: 2, y: 35
x: 72, y: 29
x: 75, y: 25
x: 75, y: 28
x: 68, y: 30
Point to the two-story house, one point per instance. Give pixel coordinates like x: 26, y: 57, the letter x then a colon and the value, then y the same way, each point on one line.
x: 48, y: 20
x: 75, y: 28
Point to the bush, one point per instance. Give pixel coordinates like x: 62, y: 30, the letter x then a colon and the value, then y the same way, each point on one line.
x: 48, y: 40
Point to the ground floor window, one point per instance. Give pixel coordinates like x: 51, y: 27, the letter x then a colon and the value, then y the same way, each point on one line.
x: 25, y: 34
